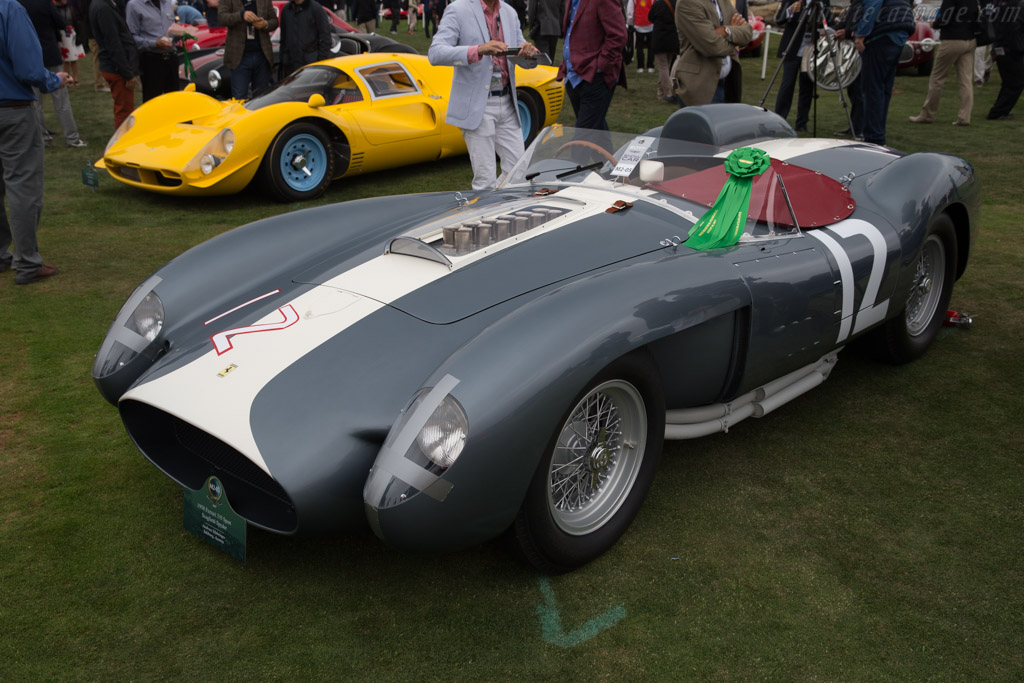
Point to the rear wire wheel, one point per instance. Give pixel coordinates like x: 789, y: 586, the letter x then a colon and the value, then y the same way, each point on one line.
x: 299, y: 164
x: 908, y: 335
x: 596, y: 470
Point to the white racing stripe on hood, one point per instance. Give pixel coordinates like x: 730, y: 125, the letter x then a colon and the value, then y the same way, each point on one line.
x: 219, y: 402
x: 220, y: 405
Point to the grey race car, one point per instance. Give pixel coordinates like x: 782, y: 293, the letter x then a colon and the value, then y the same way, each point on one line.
x: 446, y: 366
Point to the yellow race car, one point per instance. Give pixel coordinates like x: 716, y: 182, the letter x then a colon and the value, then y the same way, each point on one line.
x: 334, y: 118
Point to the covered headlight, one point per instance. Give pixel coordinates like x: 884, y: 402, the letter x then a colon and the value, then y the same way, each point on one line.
x: 213, y: 153
x: 442, y: 438
x: 125, y: 126
x: 148, y: 317
x: 131, y: 342
x: 427, y: 439
x: 213, y: 78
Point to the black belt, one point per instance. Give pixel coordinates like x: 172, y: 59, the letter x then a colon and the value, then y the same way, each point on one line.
x: 501, y: 93
x: 161, y: 55
x: 16, y: 104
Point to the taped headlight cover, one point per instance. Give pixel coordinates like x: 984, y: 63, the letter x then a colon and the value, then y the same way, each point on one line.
x: 133, y: 331
x: 402, y: 469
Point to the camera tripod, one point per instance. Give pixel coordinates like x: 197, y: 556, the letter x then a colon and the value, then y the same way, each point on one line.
x: 812, y: 12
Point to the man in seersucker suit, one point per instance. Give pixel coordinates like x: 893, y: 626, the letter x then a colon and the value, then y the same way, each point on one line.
x: 473, y: 37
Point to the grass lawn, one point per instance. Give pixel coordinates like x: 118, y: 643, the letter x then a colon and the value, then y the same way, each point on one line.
x: 871, y: 530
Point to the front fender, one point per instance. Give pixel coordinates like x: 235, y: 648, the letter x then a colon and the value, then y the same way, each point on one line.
x: 268, y: 256
x: 517, y: 379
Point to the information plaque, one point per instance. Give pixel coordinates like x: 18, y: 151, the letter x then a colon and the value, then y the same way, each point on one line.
x: 209, y: 516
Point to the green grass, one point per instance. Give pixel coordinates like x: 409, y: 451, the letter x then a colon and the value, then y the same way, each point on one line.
x: 871, y: 530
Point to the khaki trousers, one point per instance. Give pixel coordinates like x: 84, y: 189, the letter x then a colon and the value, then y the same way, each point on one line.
x: 958, y: 55
x: 663, y: 62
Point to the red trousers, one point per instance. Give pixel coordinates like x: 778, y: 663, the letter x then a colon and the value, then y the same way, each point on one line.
x: 124, y: 97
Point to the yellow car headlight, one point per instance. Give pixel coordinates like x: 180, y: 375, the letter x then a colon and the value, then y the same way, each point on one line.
x: 125, y: 126
x: 213, y: 153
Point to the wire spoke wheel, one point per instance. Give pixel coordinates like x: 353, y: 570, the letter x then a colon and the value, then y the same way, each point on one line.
x: 926, y: 291
x: 597, y: 457
x: 906, y: 336
x: 597, y: 468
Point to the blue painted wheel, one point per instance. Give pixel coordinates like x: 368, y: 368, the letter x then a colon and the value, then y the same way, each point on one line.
x: 531, y: 114
x: 303, y: 162
x: 525, y: 119
x: 300, y: 163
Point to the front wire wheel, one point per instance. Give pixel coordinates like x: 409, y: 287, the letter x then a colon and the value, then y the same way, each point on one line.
x: 597, y: 469
x: 597, y: 457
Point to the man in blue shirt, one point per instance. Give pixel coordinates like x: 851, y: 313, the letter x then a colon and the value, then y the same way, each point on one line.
x: 883, y: 27
x: 152, y: 25
x: 21, y: 146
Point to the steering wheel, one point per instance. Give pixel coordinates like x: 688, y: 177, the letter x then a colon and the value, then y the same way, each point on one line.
x: 594, y: 147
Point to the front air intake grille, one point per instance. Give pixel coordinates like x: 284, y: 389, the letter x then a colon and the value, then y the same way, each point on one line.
x: 189, y: 455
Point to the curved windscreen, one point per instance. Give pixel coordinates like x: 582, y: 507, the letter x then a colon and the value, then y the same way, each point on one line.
x: 783, y: 199
x: 333, y: 84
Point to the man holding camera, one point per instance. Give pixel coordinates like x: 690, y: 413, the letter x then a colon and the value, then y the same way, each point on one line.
x: 483, y: 100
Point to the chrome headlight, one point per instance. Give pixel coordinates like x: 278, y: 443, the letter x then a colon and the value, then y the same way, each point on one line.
x: 213, y: 78
x: 208, y: 163
x: 213, y: 153
x: 443, y: 436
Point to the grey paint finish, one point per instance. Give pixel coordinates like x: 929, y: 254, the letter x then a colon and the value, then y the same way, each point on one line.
x: 525, y: 329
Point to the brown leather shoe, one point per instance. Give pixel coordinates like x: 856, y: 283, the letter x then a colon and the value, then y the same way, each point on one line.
x: 919, y: 119
x: 41, y: 274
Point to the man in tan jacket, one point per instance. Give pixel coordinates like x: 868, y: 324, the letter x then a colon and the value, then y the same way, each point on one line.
x: 710, y: 31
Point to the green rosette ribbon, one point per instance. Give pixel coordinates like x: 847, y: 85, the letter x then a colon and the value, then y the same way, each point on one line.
x: 190, y: 72
x: 723, y: 223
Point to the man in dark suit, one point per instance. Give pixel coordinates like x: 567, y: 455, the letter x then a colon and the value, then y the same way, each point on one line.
x: 118, y: 55
x: 595, y: 34
x: 709, y: 33
x: 305, y: 35
x: 1009, y: 53
x: 247, y: 49
x: 882, y: 29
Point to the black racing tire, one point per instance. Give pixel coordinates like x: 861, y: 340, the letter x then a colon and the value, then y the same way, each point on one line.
x: 613, y: 433
x: 925, y: 68
x: 530, y: 105
x: 908, y: 335
x: 299, y: 164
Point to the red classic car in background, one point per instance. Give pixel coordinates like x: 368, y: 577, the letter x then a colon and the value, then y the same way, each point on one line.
x: 919, y: 50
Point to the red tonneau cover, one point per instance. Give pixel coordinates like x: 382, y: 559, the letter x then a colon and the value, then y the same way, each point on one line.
x: 817, y: 199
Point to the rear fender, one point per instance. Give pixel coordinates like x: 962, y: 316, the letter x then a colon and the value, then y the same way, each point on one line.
x: 914, y: 189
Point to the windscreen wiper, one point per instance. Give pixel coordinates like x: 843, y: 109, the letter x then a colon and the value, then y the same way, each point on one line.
x: 578, y: 169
